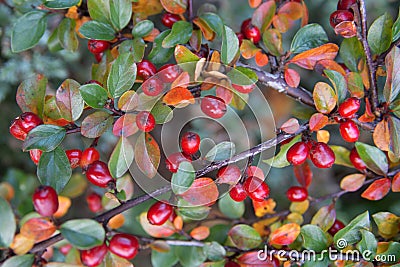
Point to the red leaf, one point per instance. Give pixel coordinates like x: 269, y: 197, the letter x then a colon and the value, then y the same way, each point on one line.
x: 203, y: 192
x: 224, y: 93
x: 291, y: 126
x: 292, y: 10
x: 292, y: 78
x: 285, y: 235
x: 377, y: 190
x: 396, y: 183
x: 303, y: 174
x: 125, y: 125
x: 251, y: 259
x: 309, y: 58
x: 262, y: 16
x: 261, y: 59
x: 254, y: 3
x: 38, y: 229
x: 200, y: 232
x: 318, y: 121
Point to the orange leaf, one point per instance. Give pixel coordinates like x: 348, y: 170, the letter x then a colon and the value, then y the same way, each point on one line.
x: 248, y: 49
x: 261, y: 59
x: 318, y: 121
x: 292, y: 10
x: 117, y: 221
x: 125, y: 125
x: 254, y: 3
x: 178, y: 223
x: 352, y: 182
x: 38, y: 229
x: 203, y: 192
x: 21, y: 244
x: 329, y: 64
x: 292, y: 78
x: 381, y: 135
x: 282, y: 22
x: 363, y: 68
x: 290, y: 126
x: 304, y: 19
x: 183, y: 80
x: 64, y: 203
x: 303, y: 174
x: 368, y: 116
x: 285, y: 234
x: 309, y: 58
x: 152, y: 35
x: 175, y: 6
x: 346, y: 29
x: 396, y: 183
x: 266, y: 206
x: 158, y: 231
x: 178, y: 97
x: 208, y: 33
x: 323, y: 136
x: 251, y: 259
x: 377, y: 190
x: 200, y: 233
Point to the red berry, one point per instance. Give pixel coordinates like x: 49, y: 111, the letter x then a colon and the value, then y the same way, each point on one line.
x: 35, y: 155
x: 94, y: 256
x: 238, y: 193
x: 252, y: 33
x: 169, y: 19
x: 190, y: 143
x: 297, y: 194
x: 339, y: 16
x: 229, y: 174
x: 145, y: 121
x: 98, y: 174
x: 322, y: 155
x: 337, y: 225
x: 17, y: 131
x: 172, y: 162
x: 94, y: 202
x: 28, y: 121
x: 244, y: 25
x: 152, y: 87
x: 357, y: 162
x: 89, y: 155
x: 124, y: 245
x: 98, y: 46
x: 231, y: 264
x: 256, y: 189
x: 345, y: 4
x: 240, y: 37
x: 349, y: 107
x: 169, y: 72
x: 245, y: 89
x: 74, y: 157
x: 297, y: 153
x: 349, y: 131
x: 213, y: 106
x: 145, y: 69
x: 45, y: 200
x: 98, y: 57
x: 159, y: 213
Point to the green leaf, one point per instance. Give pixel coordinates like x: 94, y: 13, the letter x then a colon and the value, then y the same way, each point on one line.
x: 342, y: 156
x: 214, y: 251
x: 221, y: 151
x: 69, y: 100
x: 392, y: 84
x: 83, y: 233
x: 368, y: 243
x: 54, y: 169
x: 218, y: 233
x: 339, y: 83
x: 396, y: 29
x: 67, y: 36
x: 28, y: 30
x: 231, y: 208
x: 183, y: 178
x: 120, y: 13
x: 96, y: 124
x: 313, y: 238
x: 61, y: 4
x: 244, y: 237
x: 99, y: 10
x: 164, y: 259
x: 230, y: 46
x: 180, y: 34
x: 94, y: 95
x: 97, y: 30
x: 122, y: 75
x: 53, y: 42
x: 147, y: 154
x: 308, y: 37
x: 242, y: 76
x: 20, y: 261
x: 31, y: 93
x: 380, y: 34
x: 162, y: 113
x: 197, y: 213
x: 394, y: 130
x: 143, y: 28
x: 190, y: 256
x: 318, y: 261
x: 45, y: 137
x: 214, y: 22
x: 159, y: 54
x: 374, y: 158
x: 272, y: 40
x: 279, y: 160
x: 121, y: 158
x: 7, y: 224
x: 351, y: 232
x: 351, y: 51
x: 136, y: 47
x: 76, y: 186
x: 324, y: 218
x: 392, y: 254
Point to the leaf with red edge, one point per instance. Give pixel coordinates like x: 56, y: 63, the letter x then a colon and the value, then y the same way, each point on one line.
x: 292, y: 10
x: 318, y: 121
x: 346, y: 29
x: 396, y: 183
x: 261, y: 59
x: 244, y: 236
x: 248, y: 49
x: 309, y: 58
x: 292, y: 77
x: 224, y: 93
x: 178, y: 97
x: 262, y: 16
x: 254, y: 3
x: 38, y: 229
x: 290, y: 126
x: 368, y: 116
x: 377, y: 190
x: 175, y: 6
x: 352, y: 182
x: 251, y: 259
x: 325, y: 217
x: 329, y: 64
x: 69, y: 100
x: 158, y: 231
x: 324, y: 97
x: 303, y: 174
x: 125, y: 125
x: 285, y: 235
x: 30, y: 94
x: 200, y: 232
x: 381, y: 135
x: 96, y: 124
x: 267, y: 206
x: 147, y: 154
x: 203, y: 192
x: 272, y: 40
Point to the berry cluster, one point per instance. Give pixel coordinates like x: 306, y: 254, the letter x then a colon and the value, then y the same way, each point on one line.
x: 343, y: 12
x: 253, y: 187
x: 320, y: 154
x: 23, y: 124
x: 348, y: 128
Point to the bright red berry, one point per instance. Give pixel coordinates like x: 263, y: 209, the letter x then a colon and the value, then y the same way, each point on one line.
x: 256, y: 189
x: 98, y: 56
x: 124, y: 245
x: 172, y: 162
x: 337, y: 225
x: 349, y: 107
x: 229, y: 174
x: 213, y: 106
x: 356, y: 160
x: 297, y: 194
x: 16, y: 130
x: 169, y: 72
x: 94, y: 256
x: 159, y: 213
x: 349, y: 131
x: 152, y: 87
x: 169, y: 19
x: 322, y: 155
x: 35, y: 155
x: 145, y: 69
x: 339, y: 16
x: 297, y: 153
x: 231, y: 264
x: 252, y: 33
x: 28, y: 121
x: 238, y: 193
x: 190, y: 143
x: 98, y: 174
x: 244, y: 25
x: 345, y: 4
x: 45, y: 200
x: 145, y: 121
x: 245, y: 89
x: 74, y: 157
x: 240, y: 37
x: 94, y: 202
x: 98, y: 46
x: 89, y: 155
